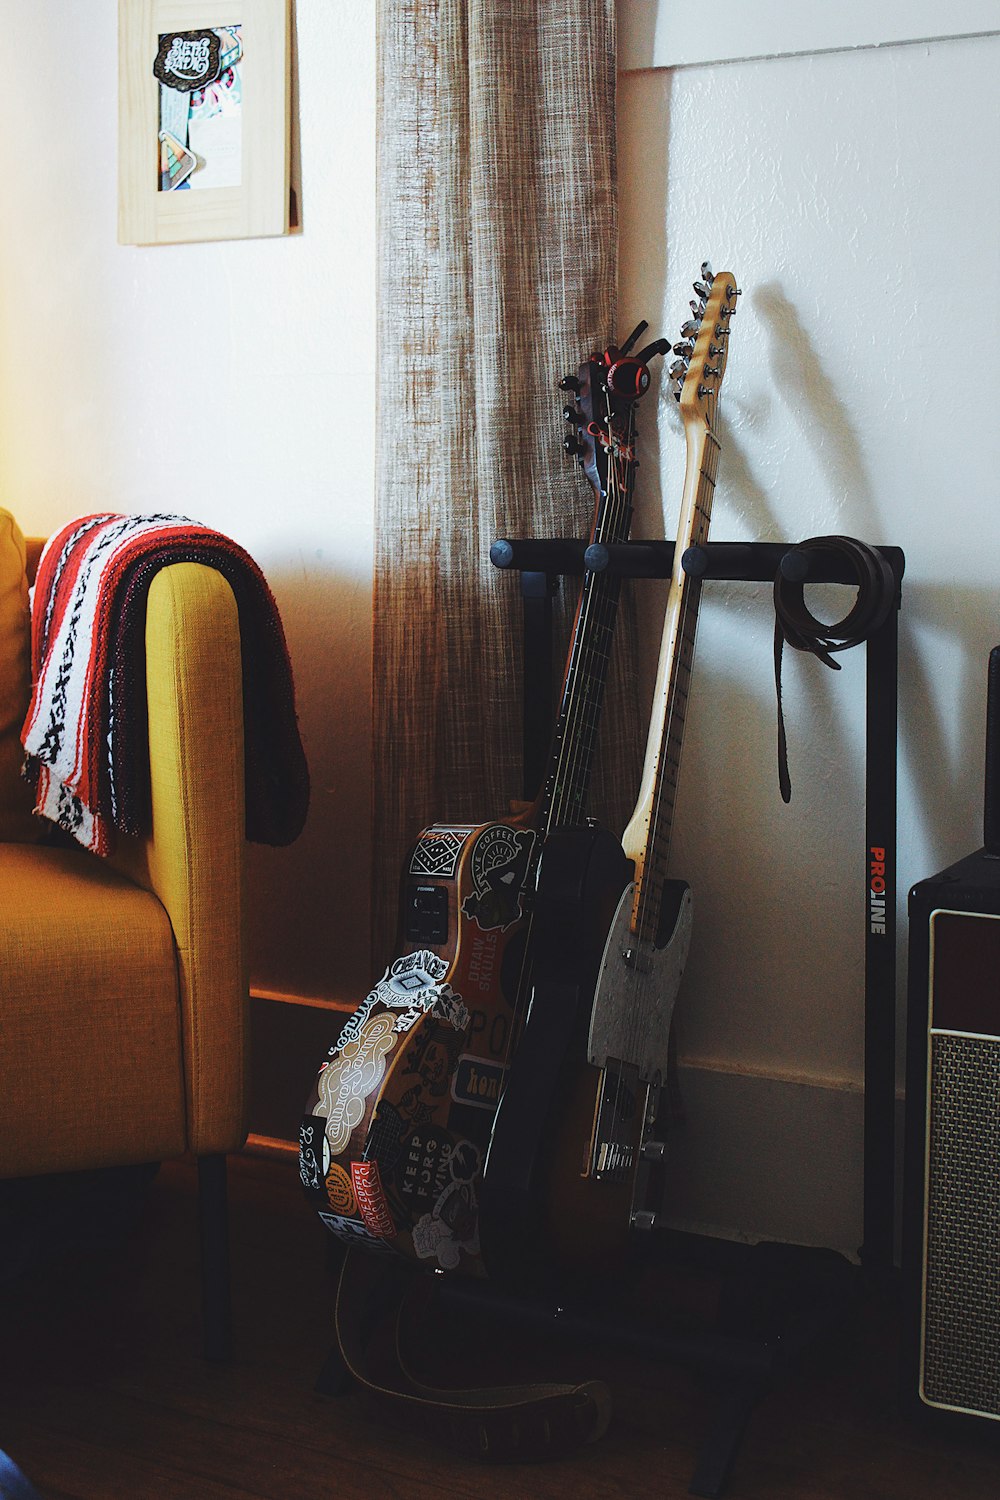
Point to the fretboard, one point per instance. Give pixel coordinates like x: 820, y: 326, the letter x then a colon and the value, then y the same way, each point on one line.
x: 647, y: 838
x: 564, y: 795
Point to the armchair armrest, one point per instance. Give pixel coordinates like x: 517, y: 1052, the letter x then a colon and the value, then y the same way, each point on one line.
x: 194, y: 859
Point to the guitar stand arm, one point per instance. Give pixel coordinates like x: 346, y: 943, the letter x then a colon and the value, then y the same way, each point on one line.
x: 738, y: 562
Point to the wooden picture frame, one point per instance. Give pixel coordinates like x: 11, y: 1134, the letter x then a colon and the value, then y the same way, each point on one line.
x: 240, y: 189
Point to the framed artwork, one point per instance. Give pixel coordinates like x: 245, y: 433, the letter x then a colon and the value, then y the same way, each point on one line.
x: 203, y: 120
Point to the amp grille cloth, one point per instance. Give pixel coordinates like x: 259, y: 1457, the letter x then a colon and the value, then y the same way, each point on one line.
x: 962, y: 1307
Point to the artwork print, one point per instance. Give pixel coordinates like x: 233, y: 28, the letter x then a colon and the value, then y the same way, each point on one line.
x: 200, y: 116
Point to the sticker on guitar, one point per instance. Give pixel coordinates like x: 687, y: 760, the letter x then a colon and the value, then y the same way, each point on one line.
x: 412, y: 985
x: 344, y: 1085
x: 498, y: 867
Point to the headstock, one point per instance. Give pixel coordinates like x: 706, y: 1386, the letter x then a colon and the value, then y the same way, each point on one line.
x: 605, y: 391
x: 702, y: 352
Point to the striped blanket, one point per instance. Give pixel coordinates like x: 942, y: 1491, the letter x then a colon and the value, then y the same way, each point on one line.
x: 86, y: 730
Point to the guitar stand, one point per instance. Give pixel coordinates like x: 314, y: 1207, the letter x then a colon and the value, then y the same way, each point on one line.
x: 786, y: 1298
x: 778, y: 1301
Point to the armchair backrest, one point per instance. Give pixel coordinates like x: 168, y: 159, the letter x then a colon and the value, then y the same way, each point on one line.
x: 16, y: 822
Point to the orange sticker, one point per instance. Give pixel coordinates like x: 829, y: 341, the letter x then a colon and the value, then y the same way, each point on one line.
x: 339, y: 1191
x: 372, y: 1204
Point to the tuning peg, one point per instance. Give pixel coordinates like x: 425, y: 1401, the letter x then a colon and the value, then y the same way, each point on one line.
x: 678, y: 369
x: 573, y: 414
x: 690, y: 329
x: 639, y: 329
x: 569, y: 383
x: 698, y: 308
x: 707, y: 274
x: 572, y: 447
x: 685, y: 350
x: 703, y: 290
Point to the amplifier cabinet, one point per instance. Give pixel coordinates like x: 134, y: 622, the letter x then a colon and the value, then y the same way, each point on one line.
x: 951, y: 1203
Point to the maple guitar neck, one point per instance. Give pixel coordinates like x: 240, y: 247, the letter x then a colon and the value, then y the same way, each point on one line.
x: 646, y: 840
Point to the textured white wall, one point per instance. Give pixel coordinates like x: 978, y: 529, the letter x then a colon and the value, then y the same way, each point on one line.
x: 233, y: 382
x: 856, y: 197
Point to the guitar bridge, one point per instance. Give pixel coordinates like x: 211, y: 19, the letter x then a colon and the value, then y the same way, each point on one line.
x: 616, y: 1124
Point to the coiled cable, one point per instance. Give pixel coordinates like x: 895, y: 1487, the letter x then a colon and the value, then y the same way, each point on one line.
x: 797, y: 626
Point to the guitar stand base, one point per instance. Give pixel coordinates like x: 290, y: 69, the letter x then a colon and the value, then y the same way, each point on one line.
x: 777, y: 1302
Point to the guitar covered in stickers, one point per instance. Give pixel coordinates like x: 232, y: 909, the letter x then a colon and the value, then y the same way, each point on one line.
x: 400, y: 1120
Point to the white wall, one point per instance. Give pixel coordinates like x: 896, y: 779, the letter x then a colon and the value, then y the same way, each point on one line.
x: 855, y: 195
x: 232, y: 382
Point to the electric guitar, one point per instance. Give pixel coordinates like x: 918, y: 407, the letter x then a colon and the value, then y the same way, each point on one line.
x: 648, y: 941
x: 572, y: 1157
x: 400, y: 1119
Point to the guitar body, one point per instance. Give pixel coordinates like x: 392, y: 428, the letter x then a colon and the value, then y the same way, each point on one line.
x: 541, y: 1210
x: 399, y: 1121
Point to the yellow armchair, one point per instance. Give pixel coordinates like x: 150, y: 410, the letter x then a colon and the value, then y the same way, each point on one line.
x: 123, y: 989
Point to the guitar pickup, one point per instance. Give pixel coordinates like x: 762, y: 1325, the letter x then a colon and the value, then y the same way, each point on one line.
x: 615, y: 1125
x: 426, y: 915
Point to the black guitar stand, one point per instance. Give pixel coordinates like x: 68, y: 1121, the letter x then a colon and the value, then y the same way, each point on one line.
x: 783, y: 1299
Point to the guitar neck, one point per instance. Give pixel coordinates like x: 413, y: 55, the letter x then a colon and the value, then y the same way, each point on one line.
x: 647, y: 838
x: 563, y: 800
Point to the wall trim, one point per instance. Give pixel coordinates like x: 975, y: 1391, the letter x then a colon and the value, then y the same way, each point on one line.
x: 661, y: 34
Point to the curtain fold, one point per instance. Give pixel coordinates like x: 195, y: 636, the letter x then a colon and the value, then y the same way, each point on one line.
x: 498, y: 243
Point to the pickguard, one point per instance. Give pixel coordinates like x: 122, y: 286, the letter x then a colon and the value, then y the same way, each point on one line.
x: 636, y: 989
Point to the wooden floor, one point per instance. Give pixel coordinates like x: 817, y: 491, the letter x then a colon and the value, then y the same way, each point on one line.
x: 103, y: 1395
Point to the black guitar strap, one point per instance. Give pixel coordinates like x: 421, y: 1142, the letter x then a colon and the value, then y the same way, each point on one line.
x: 795, y: 623
x: 496, y: 1424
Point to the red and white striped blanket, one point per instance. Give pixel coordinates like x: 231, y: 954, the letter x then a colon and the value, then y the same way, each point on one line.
x: 86, y: 731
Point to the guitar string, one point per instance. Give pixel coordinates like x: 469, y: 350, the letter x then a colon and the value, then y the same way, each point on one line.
x: 607, y: 506
x: 619, y: 525
x: 660, y: 828
x: 653, y: 869
x: 629, y: 466
x: 653, y: 852
x: 595, y: 655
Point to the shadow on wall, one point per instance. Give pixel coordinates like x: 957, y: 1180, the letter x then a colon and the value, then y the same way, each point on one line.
x: 946, y: 796
x: 309, y: 903
x: 817, y: 409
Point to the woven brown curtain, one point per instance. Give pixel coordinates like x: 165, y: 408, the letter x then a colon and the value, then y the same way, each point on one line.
x: 498, y: 266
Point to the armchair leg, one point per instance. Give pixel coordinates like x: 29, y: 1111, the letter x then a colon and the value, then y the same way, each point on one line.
x: 215, y: 1290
